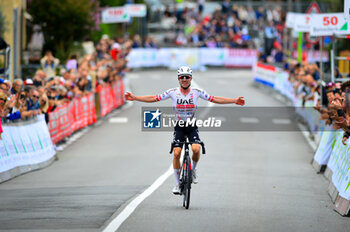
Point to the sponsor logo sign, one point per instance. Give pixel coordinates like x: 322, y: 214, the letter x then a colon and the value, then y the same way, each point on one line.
x: 329, y: 24
x: 115, y: 15
x: 302, y: 22
x: 136, y: 10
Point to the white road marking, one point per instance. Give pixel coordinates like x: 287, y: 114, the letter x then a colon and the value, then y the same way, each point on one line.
x: 249, y: 120
x: 118, y: 120
x: 127, y: 211
x: 306, y: 134
x: 281, y: 121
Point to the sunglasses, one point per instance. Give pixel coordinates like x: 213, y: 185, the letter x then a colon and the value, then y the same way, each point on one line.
x: 185, y: 77
x: 23, y: 96
x: 3, y: 99
x: 36, y: 96
x: 51, y: 98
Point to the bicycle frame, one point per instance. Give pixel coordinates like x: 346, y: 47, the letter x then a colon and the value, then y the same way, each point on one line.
x: 186, y: 171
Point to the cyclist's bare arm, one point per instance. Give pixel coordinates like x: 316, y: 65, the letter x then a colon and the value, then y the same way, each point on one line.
x: 131, y: 97
x: 225, y: 100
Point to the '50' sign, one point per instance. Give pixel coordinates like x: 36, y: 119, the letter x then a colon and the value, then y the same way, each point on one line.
x: 330, y: 20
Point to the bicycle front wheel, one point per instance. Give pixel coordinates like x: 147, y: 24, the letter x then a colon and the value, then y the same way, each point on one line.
x: 187, y: 185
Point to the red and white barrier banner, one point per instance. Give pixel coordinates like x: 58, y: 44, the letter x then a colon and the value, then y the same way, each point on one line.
x: 313, y: 56
x: 66, y: 119
x: 265, y: 74
x: 245, y: 58
x: 111, y: 97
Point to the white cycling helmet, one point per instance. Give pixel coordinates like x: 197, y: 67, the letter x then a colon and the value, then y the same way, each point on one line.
x: 184, y: 71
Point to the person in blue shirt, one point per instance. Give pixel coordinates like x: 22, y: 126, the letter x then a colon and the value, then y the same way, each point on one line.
x: 33, y: 100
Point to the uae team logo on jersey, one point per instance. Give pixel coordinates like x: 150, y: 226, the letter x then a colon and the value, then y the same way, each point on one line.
x: 152, y: 118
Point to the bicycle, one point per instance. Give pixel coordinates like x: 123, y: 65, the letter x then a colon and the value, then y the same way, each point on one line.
x: 186, y: 171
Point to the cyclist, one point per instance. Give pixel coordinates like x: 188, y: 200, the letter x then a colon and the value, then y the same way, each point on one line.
x: 184, y: 100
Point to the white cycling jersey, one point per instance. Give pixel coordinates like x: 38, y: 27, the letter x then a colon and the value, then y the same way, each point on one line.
x: 184, y: 106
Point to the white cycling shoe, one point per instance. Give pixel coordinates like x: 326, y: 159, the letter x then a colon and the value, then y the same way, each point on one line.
x: 176, y: 190
x: 194, y: 176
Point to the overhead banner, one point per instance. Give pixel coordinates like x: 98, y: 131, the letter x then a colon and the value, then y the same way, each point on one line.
x: 136, y: 10
x: 115, y: 15
x: 329, y: 24
x: 25, y: 143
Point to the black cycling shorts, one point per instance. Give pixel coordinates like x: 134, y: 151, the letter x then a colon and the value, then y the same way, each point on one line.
x: 180, y: 133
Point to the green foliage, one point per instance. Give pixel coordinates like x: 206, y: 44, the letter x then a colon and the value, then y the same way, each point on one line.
x: 335, y: 5
x: 111, y: 3
x: 2, y: 23
x: 63, y: 22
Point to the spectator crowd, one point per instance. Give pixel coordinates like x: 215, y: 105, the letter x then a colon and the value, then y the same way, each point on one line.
x: 231, y: 26
x: 331, y: 100
x: 54, y: 85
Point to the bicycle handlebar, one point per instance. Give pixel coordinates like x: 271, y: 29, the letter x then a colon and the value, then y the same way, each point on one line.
x: 200, y: 143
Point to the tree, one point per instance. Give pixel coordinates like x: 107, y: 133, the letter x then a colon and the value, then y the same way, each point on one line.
x: 2, y: 23
x: 63, y: 22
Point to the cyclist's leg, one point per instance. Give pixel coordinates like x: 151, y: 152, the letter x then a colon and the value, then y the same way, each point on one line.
x: 193, y: 137
x: 179, y: 136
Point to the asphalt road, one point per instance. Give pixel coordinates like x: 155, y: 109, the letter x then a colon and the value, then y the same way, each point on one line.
x: 249, y: 180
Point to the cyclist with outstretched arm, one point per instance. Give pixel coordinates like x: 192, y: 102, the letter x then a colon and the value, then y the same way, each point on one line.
x: 184, y: 100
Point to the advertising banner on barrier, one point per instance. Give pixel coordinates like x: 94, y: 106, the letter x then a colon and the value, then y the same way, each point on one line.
x: 25, y: 143
x: 339, y: 163
x: 245, y: 58
x: 185, y: 56
x: 313, y: 56
x: 325, y: 147
x: 193, y: 57
x: 338, y: 147
x: 143, y: 57
x: 265, y: 74
x: 212, y: 56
